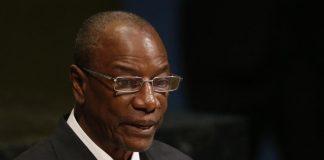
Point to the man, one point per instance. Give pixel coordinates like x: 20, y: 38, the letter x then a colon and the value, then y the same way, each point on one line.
x: 120, y: 82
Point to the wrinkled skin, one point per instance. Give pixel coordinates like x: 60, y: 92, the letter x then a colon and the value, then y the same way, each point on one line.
x: 122, y: 123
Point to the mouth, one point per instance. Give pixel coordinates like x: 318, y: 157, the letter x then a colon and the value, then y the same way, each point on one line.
x: 141, y: 128
x: 144, y: 127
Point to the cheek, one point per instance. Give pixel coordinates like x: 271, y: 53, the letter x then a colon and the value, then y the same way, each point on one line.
x: 103, y: 107
x: 163, y: 100
x: 117, y: 108
x: 110, y: 114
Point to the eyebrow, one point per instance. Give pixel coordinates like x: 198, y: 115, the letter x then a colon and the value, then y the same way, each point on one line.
x: 125, y: 69
x: 162, y: 69
x: 121, y: 69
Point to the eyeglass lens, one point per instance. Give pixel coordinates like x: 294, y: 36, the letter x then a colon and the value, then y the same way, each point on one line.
x: 162, y: 84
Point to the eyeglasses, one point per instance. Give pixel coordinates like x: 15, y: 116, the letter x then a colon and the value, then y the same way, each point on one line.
x: 131, y: 84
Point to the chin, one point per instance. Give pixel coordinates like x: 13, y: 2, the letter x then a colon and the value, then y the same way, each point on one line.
x: 139, y: 145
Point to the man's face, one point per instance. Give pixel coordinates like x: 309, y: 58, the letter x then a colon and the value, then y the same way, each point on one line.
x: 119, y: 120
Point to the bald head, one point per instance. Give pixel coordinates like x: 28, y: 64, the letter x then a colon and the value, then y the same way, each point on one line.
x: 98, y: 26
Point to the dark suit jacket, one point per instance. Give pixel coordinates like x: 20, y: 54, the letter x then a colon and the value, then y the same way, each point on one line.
x: 65, y: 145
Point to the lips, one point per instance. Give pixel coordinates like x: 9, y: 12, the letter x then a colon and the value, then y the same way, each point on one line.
x: 141, y: 128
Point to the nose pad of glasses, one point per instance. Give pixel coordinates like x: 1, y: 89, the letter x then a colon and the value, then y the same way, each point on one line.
x: 145, y: 99
x: 147, y: 88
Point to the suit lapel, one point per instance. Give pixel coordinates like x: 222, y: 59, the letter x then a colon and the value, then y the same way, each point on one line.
x: 67, y: 145
x: 143, y: 156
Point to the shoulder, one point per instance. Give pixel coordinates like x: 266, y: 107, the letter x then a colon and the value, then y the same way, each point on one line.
x: 40, y: 151
x: 165, y: 152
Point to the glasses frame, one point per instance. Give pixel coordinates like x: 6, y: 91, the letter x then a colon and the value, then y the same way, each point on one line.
x: 143, y: 81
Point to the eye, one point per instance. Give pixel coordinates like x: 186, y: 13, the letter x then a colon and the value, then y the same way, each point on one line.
x: 128, y: 82
x: 161, y: 82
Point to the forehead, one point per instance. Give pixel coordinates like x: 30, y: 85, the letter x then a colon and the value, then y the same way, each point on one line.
x: 127, y: 45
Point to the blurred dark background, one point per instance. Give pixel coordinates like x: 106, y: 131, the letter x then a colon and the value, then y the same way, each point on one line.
x: 252, y: 74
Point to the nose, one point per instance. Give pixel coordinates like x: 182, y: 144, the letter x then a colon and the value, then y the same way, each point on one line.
x: 145, y: 100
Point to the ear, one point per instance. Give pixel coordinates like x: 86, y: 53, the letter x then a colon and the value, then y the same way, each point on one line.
x: 78, y: 78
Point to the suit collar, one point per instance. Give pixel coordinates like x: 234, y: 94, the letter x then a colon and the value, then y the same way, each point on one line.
x: 67, y: 145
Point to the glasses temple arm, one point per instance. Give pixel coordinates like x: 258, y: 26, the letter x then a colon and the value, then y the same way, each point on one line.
x: 98, y: 74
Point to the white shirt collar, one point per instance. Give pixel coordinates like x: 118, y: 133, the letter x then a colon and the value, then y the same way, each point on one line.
x: 93, y: 147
